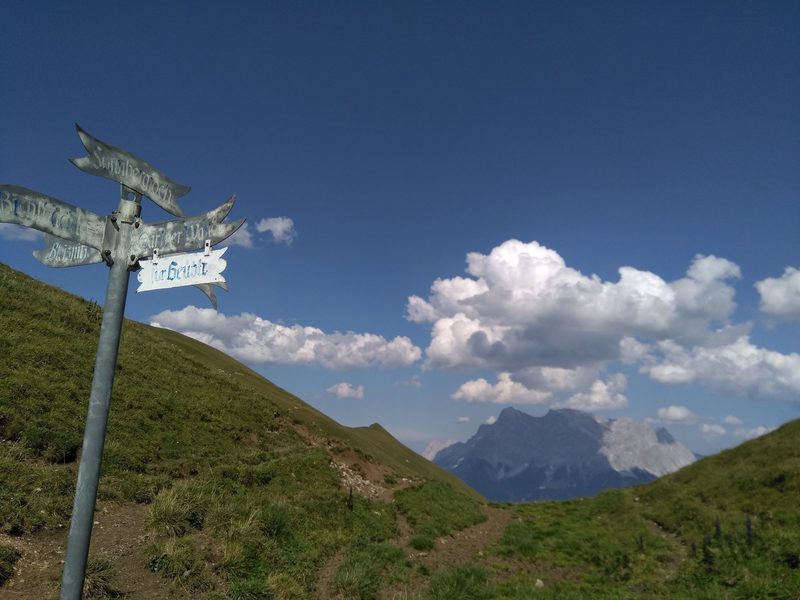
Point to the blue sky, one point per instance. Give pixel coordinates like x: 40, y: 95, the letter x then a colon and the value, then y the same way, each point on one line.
x: 452, y: 207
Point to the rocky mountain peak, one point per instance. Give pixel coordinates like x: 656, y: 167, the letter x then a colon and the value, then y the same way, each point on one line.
x: 563, y: 454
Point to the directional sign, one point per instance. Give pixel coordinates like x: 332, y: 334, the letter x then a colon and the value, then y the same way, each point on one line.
x: 105, y: 160
x: 208, y: 290
x: 25, y: 207
x: 74, y: 236
x: 184, y: 235
x: 177, y: 270
x: 66, y: 253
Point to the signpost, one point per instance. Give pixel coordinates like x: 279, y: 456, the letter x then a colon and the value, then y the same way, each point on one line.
x: 193, y: 268
x: 74, y: 237
x: 131, y: 171
x: 32, y: 209
x: 66, y: 253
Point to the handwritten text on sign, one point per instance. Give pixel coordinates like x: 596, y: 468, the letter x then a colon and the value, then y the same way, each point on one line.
x: 104, y: 160
x: 177, y: 270
x: 33, y: 209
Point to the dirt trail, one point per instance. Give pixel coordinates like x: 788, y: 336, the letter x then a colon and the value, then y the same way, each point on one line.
x: 449, y: 551
x: 327, y: 574
x: 468, y: 544
x: 119, y: 535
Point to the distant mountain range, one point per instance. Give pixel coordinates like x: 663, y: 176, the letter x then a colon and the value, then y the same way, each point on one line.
x: 564, y: 454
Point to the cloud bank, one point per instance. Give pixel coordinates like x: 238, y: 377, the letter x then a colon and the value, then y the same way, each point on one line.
x: 550, y: 332
x: 252, y: 339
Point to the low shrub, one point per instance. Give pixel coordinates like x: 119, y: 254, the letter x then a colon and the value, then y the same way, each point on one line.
x: 421, y: 542
x: 435, y: 509
x: 98, y: 580
x: 176, y: 510
x: 179, y: 559
x: 8, y: 557
x: 464, y: 583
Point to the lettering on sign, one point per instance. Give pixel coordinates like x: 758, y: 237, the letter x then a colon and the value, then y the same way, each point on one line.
x: 65, y: 253
x: 26, y: 207
x: 185, y: 235
x: 177, y: 270
x: 104, y: 160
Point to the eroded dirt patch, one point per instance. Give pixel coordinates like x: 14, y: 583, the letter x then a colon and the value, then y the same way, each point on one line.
x: 119, y: 535
x: 467, y: 545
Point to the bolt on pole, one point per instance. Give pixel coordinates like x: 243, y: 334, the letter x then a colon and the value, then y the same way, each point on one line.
x: 80, y: 531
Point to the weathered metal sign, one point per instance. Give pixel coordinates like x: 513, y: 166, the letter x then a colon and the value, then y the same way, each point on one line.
x: 178, y: 270
x: 73, y: 237
x: 66, y: 253
x: 185, y: 235
x: 105, y: 160
x: 208, y: 290
x: 33, y: 209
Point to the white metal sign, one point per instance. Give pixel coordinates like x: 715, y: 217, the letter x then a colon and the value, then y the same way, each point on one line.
x: 177, y: 270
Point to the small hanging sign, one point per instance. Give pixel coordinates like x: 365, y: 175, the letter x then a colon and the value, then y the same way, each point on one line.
x: 178, y: 270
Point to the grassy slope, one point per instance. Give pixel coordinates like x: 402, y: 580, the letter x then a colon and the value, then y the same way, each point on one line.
x: 210, y: 444
x: 216, y: 449
x: 727, y: 526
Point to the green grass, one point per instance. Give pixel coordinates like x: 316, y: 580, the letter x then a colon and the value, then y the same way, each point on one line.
x: 465, y: 583
x: 8, y: 558
x: 223, y: 456
x: 682, y: 536
x: 178, y: 509
x: 99, y: 581
x: 435, y: 509
x: 210, y: 444
x: 421, y: 542
x: 369, y: 567
x: 181, y: 561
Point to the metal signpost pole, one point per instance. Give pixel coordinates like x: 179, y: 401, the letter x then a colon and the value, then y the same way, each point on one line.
x: 80, y: 530
x: 75, y: 237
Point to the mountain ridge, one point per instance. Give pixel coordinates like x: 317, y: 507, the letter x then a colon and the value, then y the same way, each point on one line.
x: 563, y: 454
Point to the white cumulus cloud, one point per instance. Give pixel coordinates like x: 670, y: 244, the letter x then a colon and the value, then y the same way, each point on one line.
x: 735, y: 367
x: 521, y: 310
x: 522, y: 306
x: 676, y: 414
x: 753, y: 432
x: 780, y: 296
x: 346, y: 390
x: 413, y: 382
x: 505, y: 391
x: 712, y: 430
x: 242, y: 237
x: 491, y: 420
x: 601, y: 395
x: 281, y: 228
x: 732, y: 420
x: 252, y: 339
x: 462, y: 420
x: 538, y: 386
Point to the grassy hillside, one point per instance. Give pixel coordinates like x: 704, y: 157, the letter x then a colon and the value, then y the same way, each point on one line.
x: 209, y: 445
x: 725, y: 527
x: 244, y: 491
